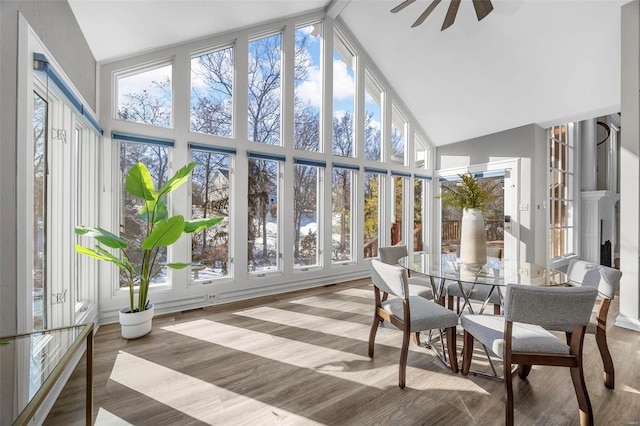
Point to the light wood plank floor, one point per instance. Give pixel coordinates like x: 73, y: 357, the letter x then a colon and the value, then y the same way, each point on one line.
x: 301, y: 359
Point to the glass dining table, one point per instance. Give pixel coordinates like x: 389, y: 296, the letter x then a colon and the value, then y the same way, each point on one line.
x: 496, y: 273
x: 443, y: 268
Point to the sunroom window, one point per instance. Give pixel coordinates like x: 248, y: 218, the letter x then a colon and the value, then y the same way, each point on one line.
x: 341, y: 212
x: 372, y: 119
x: 211, y: 194
x: 212, y: 93
x: 263, y: 228
x: 265, y: 94
x: 344, y: 89
x: 307, y: 87
x: 146, y: 96
x: 398, y: 136
x: 306, y: 212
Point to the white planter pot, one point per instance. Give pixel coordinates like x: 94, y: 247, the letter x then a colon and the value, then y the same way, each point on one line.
x: 135, y: 324
x: 473, y: 239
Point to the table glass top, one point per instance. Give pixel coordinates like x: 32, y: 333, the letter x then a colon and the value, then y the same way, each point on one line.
x: 496, y: 272
x: 26, y: 361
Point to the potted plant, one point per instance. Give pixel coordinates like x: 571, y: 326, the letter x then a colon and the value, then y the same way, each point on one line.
x: 160, y: 231
x: 473, y: 198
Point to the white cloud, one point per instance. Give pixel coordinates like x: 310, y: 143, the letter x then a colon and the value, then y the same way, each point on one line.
x: 311, y: 89
x: 343, y: 85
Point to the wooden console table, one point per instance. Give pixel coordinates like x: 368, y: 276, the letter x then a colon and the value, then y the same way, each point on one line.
x: 31, y: 364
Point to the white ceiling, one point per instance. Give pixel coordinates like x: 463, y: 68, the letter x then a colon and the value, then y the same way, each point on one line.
x: 529, y: 61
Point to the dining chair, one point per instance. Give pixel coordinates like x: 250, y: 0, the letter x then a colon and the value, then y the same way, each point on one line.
x: 418, y: 286
x: 521, y: 336
x: 410, y: 314
x: 607, y: 281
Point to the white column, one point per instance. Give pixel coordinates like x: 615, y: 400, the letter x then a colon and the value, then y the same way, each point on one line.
x: 588, y: 155
x: 629, y: 316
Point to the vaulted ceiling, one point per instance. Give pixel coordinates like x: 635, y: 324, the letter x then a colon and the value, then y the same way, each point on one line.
x: 529, y: 61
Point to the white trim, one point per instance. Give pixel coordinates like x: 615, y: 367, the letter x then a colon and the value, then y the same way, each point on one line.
x: 628, y: 322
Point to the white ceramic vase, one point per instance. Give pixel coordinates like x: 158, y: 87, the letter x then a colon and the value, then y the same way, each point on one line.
x: 473, y: 239
x: 135, y: 324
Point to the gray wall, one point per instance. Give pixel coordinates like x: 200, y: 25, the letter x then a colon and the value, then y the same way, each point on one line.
x: 527, y: 143
x: 56, y: 25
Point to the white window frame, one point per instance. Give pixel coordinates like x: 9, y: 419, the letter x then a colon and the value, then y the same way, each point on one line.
x: 231, y: 222
x: 572, y: 198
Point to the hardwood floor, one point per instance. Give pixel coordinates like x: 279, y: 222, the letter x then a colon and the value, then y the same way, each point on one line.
x: 301, y: 359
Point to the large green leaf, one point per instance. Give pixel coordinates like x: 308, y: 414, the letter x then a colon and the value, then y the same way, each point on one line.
x: 165, y: 233
x: 103, y: 236
x: 161, y: 211
x: 85, y: 250
x: 178, y: 179
x: 140, y: 184
x: 114, y: 259
x: 177, y: 265
x: 200, y: 224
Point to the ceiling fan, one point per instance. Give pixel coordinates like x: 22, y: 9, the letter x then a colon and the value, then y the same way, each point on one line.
x: 482, y: 7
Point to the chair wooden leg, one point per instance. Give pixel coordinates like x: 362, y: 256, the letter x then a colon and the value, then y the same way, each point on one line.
x: 508, y: 386
x: 496, y: 309
x: 450, y: 302
x: 584, y: 404
x: 372, y: 334
x: 451, y: 348
x: 467, y: 352
x: 609, y: 373
x: 404, y: 351
x: 524, y: 370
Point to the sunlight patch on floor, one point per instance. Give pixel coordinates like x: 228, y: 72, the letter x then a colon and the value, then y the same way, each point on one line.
x: 107, y: 418
x: 194, y: 397
x: 343, y: 365
x: 627, y: 388
x: 320, y: 324
x: 336, y: 305
x: 357, y: 292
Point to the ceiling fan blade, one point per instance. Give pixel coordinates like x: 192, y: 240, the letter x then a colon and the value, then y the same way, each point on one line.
x: 483, y: 8
x: 451, y: 15
x: 426, y: 13
x: 402, y: 5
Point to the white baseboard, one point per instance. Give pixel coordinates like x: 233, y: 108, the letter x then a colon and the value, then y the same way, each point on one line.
x: 628, y: 323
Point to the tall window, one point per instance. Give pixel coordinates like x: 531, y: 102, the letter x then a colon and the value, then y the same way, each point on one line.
x: 561, y: 190
x: 146, y: 97
x: 420, y: 212
x: 341, y: 217
x: 156, y: 158
x: 265, y: 63
x: 397, y: 209
x: 264, y: 224
x: 372, y: 119
x: 398, y: 136
x: 212, y: 93
x: 210, y: 196
x: 40, y: 112
x: 306, y: 208
x: 307, y: 87
x: 421, y: 154
x: 373, y: 181
x: 344, y: 62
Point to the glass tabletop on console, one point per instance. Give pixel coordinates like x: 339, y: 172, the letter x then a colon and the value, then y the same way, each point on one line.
x: 496, y: 272
x: 28, y: 360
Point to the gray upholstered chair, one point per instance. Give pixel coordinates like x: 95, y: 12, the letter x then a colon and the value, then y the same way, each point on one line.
x: 607, y: 281
x: 520, y: 337
x: 411, y: 314
x: 418, y: 286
